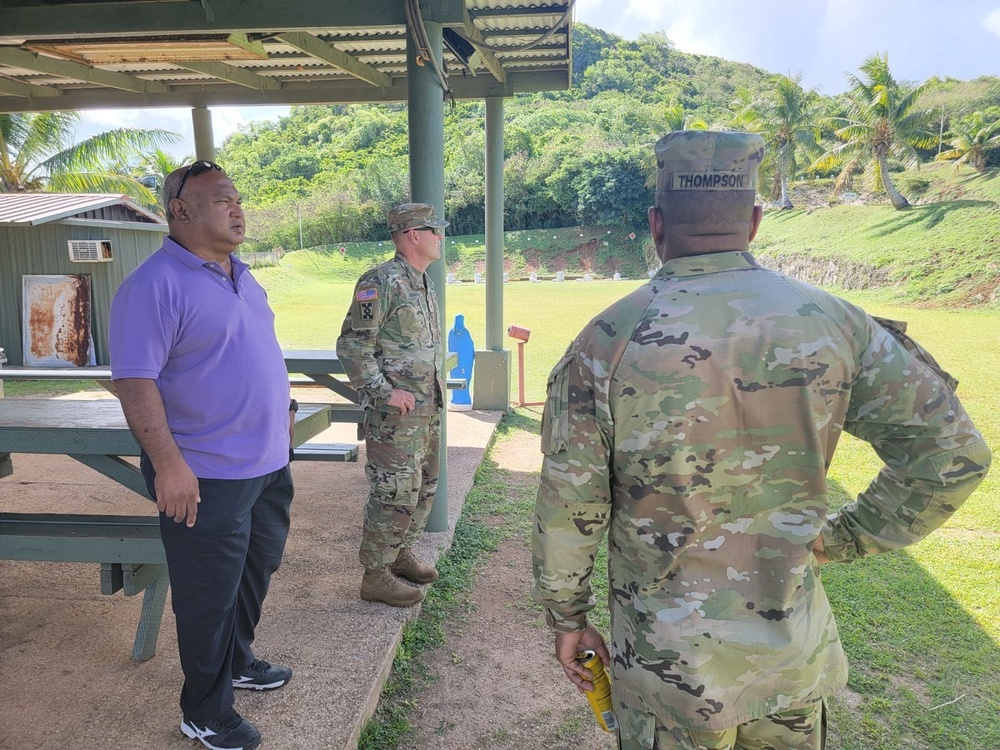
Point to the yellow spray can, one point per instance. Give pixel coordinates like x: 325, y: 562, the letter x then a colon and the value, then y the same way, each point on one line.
x: 600, y: 696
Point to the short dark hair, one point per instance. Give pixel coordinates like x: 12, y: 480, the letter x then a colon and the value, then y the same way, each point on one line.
x: 718, y: 207
x: 175, y: 181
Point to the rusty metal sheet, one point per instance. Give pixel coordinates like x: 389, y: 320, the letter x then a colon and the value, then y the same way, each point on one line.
x: 57, y: 321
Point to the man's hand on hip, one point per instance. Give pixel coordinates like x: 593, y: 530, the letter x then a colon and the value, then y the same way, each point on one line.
x: 402, y: 400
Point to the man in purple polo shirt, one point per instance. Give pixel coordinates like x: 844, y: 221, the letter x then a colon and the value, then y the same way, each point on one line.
x: 204, y: 388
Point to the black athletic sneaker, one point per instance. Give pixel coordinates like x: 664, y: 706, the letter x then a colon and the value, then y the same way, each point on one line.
x: 231, y: 733
x: 261, y: 675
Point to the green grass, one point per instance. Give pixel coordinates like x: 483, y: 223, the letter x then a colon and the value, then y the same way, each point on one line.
x: 309, y: 314
x: 922, y: 626
x: 45, y: 388
x: 575, y: 250
x: 943, y: 251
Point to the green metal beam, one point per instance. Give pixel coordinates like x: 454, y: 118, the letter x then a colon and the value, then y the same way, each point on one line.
x: 231, y: 73
x: 343, y: 91
x: 25, y: 91
x: 19, y: 58
x: 489, y: 59
x: 116, y: 468
x: 541, y: 10
x: 388, y: 36
x: 79, y: 20
x: 315, y: 47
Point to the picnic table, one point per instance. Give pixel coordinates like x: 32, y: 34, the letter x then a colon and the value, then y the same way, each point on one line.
x: 95, y: 433
x: 319, y: 366
x: 312, y: 366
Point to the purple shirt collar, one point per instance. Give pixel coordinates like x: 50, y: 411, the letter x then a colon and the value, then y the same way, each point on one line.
x: 192, y: 261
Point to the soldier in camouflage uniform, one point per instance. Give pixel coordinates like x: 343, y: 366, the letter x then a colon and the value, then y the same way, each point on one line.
x: 694, y: 421
x: 391, y: 349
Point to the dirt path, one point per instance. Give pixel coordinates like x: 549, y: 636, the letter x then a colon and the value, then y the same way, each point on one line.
x: 495, y: 681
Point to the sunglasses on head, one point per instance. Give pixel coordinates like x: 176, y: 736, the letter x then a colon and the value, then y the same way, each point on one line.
x: 437, y: 232
x: 197, y: 168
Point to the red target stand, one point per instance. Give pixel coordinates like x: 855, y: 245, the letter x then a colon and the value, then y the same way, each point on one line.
x: 521, y: 335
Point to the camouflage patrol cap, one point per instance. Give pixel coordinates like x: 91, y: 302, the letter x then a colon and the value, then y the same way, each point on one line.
x: 410, y: 215
x: 708, y: 160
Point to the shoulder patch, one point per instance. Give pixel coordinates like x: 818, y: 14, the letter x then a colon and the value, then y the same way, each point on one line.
x: 365, y: 312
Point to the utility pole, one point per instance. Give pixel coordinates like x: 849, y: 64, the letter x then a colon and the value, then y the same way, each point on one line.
x: 941, y: 131
x: 300, y: 225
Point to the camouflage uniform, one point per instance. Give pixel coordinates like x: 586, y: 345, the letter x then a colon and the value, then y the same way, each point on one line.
x: 391, y: 338
x: 694, y: 420
x: 796, y: 729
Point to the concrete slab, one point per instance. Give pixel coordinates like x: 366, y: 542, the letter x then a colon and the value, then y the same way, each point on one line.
x: 66, y: 649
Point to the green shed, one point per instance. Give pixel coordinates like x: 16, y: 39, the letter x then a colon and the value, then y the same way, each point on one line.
x: 67, y: 252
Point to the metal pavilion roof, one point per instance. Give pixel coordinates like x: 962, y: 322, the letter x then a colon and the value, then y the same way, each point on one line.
x: 86, y: 54
x: 32, y: 209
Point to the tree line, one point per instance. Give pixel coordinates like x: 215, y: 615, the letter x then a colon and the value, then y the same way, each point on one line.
x: 584, y: 156
x: 326, y: 174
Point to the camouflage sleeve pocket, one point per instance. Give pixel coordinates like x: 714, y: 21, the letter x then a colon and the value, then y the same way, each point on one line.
x: 555, y: 419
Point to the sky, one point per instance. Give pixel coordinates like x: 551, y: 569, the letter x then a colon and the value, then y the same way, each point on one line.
x: 821, y: 39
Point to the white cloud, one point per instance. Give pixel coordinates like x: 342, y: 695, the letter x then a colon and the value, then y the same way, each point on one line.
x: 842, y: 16
x: 647, y: 12
x: 689, y: 32
x: 225, y: 122
x: 992, y: 22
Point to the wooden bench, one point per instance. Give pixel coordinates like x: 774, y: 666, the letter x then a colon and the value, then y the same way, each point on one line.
x: 341, y: 413
x: 301, y: 381
x: 127, y: 547
x: 326, y: 452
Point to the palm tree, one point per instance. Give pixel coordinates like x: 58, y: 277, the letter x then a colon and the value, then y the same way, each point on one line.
x: 37, y: 154
x: 881, y: 122
x: 674, y: 118
x: 971, y: 139
x: 786, y: 116
x: 155, y: 166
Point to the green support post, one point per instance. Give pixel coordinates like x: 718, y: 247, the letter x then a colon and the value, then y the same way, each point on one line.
x: 204, y: 141
x: 425, y: 103
x: 491, y: 376
x: 494, y: 223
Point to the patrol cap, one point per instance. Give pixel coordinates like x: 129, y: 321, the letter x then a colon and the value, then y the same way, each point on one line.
x: 708, y: 160
x: 410, y: 215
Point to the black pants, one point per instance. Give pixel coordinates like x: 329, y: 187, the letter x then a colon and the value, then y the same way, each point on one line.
x: 220, y: 570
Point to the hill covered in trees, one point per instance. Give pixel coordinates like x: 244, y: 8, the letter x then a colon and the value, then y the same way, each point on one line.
x: 583, y: 156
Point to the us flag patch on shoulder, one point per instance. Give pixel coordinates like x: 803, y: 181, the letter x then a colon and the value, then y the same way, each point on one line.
x: 363, y: 295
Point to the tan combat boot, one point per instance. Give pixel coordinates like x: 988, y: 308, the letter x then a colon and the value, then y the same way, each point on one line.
x: 380, y: 585
x: 409, y: 567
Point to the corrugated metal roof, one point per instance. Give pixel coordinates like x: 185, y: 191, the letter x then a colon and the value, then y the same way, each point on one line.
x: 32, y: 209
x: 72, y: 54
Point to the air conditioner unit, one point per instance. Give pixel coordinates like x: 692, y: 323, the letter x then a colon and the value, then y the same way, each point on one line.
x: 90, y: 251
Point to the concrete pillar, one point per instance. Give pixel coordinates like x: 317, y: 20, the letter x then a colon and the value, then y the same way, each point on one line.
x: 425, y: 107
x: 204, y: 142
x: 491, y: 377
x: 494, y: 223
